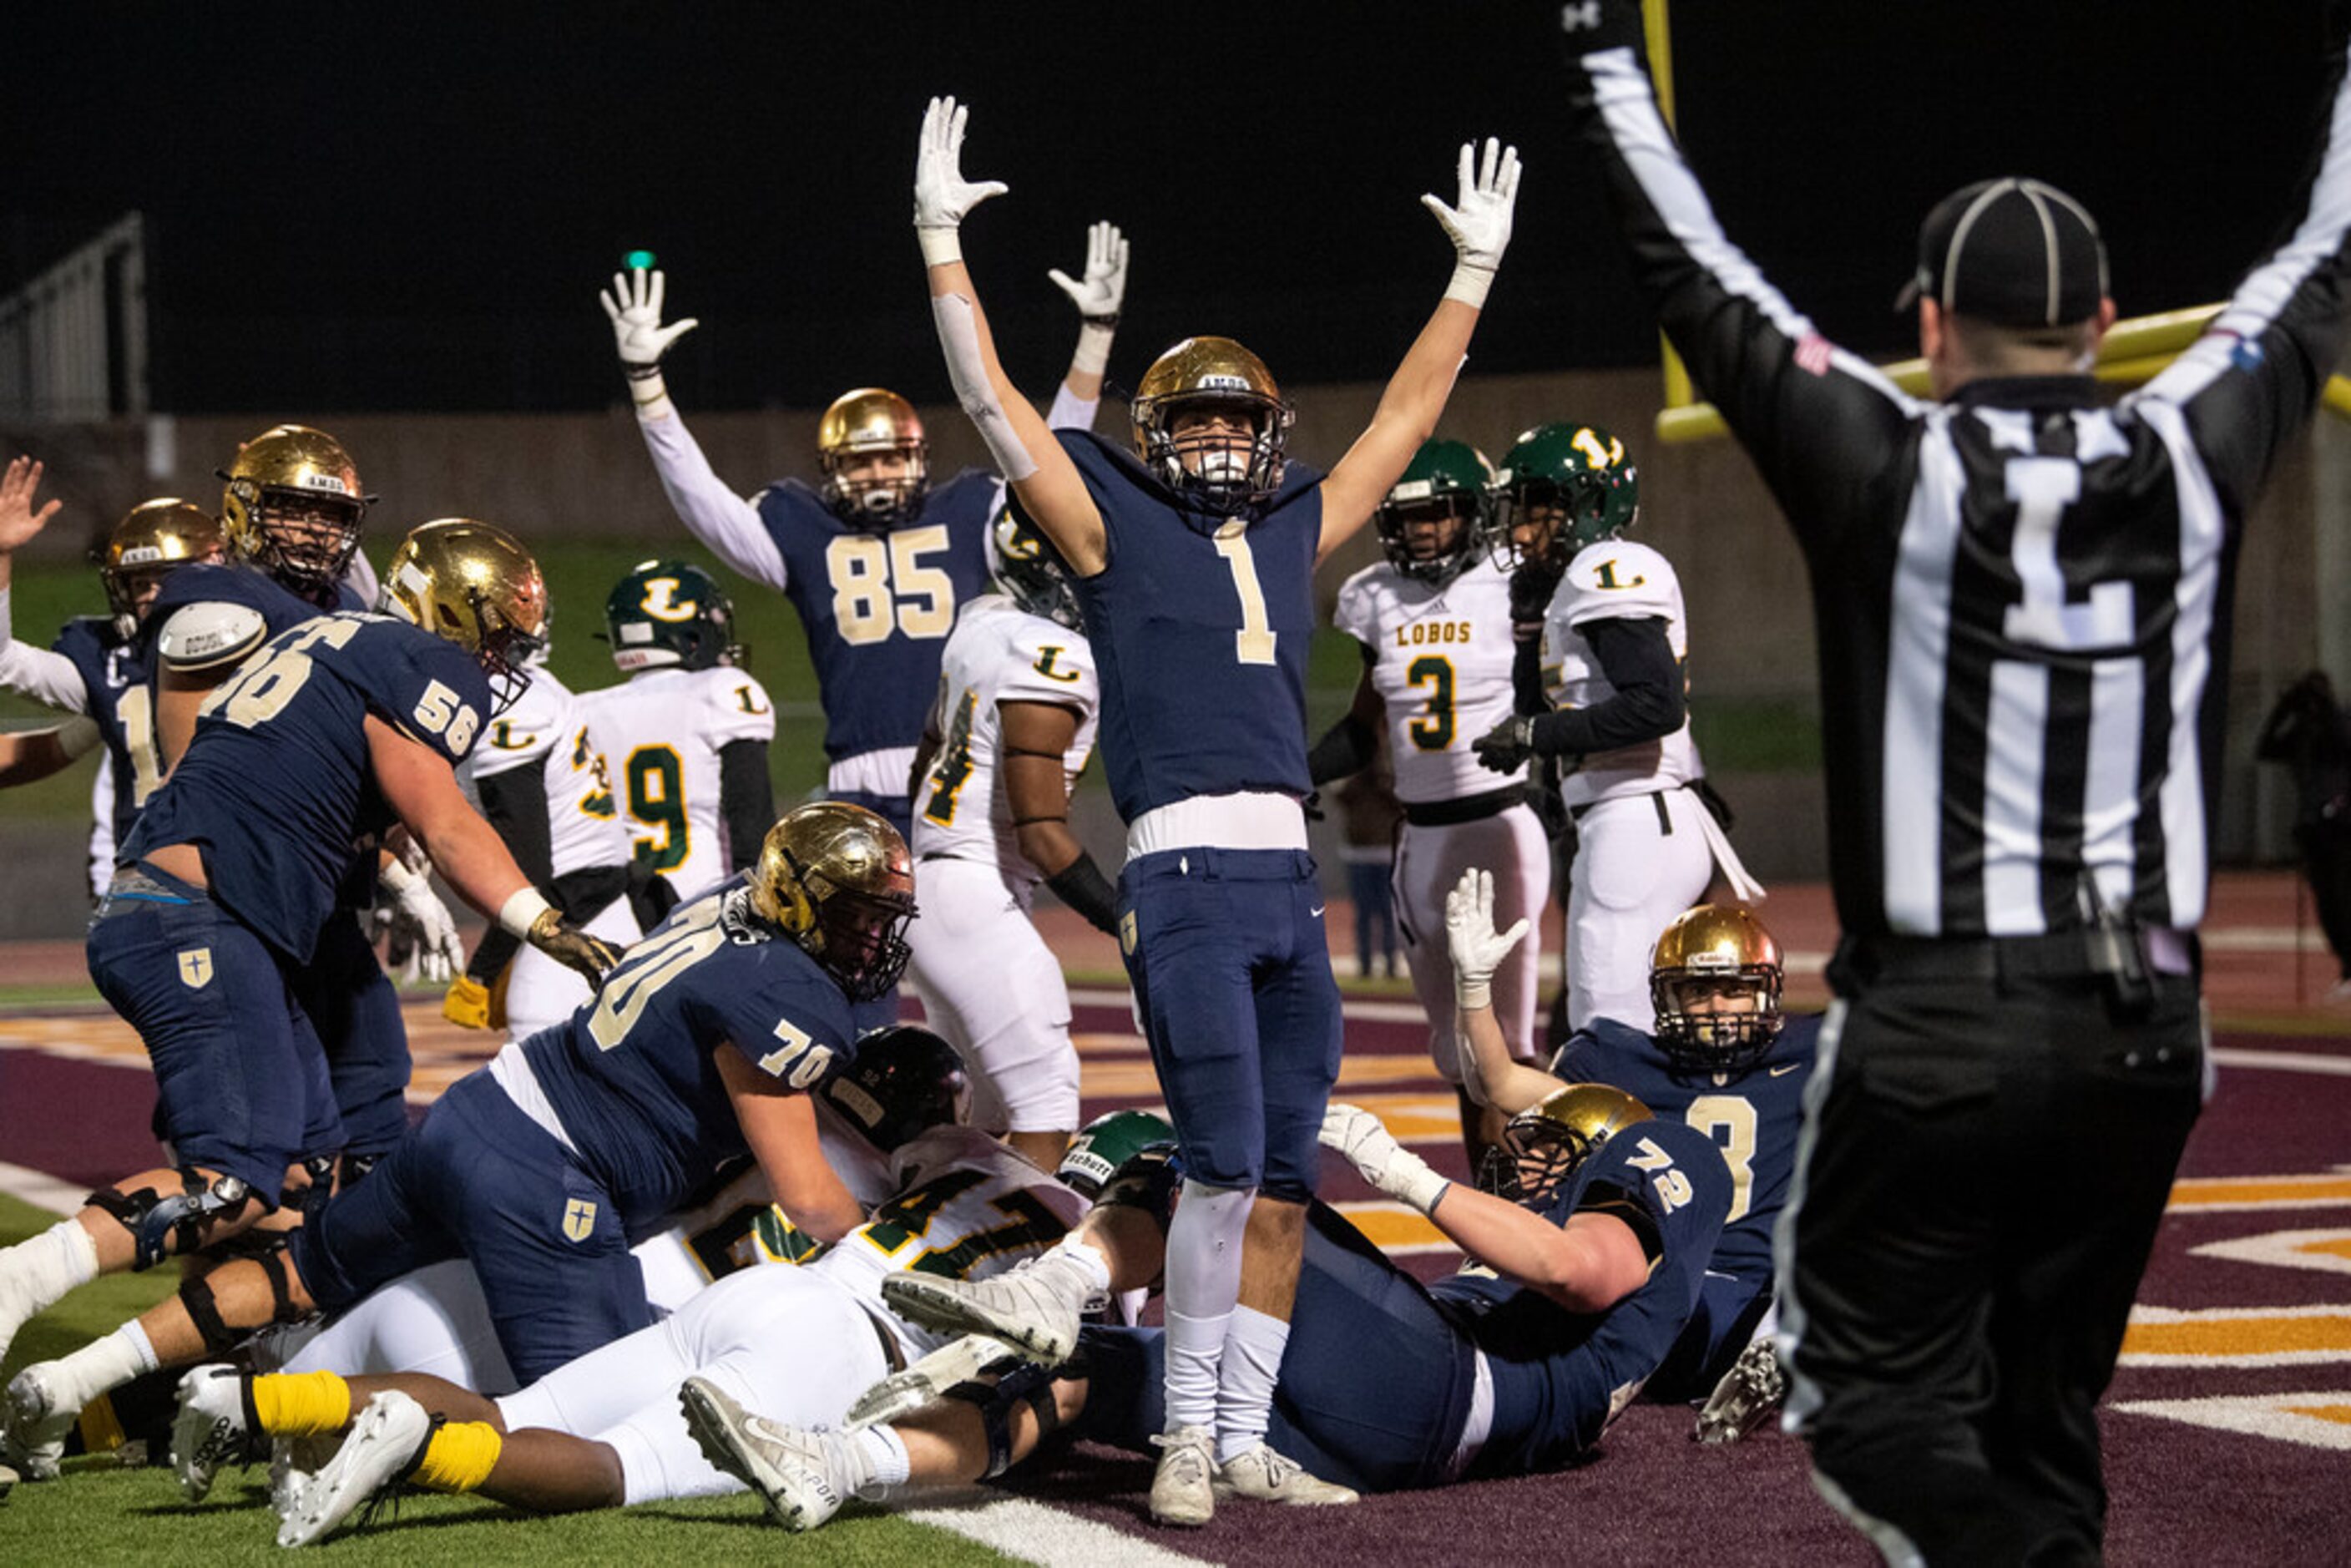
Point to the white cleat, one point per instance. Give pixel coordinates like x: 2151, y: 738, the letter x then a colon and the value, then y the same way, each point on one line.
x: 386, y: 1440
x: 1034, y: 1307
x: 1183, y: 1489
x: 1746, y: 1397
x: 209, y: 1429
x: 804, y: 1475
x: 1263, y: 1476
x: 904, y: 1393
x: 35, y: 1441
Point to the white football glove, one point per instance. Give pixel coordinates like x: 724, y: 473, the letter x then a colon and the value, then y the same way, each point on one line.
x: 1388, y: 1164
x: 423, y: 925
x: 942, y: 195
x: 1102, y: 290
x: 1479, y: 222
x: 634, y: 305
x: 1477, y: 948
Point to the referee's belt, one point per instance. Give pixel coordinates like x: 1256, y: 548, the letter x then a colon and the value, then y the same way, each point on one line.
x: 1468, y: 809
x: 2128, y: 952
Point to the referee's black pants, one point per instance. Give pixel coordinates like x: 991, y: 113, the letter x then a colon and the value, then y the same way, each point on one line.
x: 1985, y: 1163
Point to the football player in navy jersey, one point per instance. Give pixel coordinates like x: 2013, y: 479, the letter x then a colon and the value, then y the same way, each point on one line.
x: 1194, y: 555
x: 1513, y: 1367
x: 876, y: 559
x: 1724, y: 1060
x: 343, y: 727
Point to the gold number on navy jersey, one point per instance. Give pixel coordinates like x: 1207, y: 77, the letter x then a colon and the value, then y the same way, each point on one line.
x: 1730, y: 1121
x: 953, y: 769
x: 135, y: 710
x: 655, y: 776
x: 1673, y: 1189
x: 693, y: 936
x: 880, y: 585
x: 267, y: 681
x: 1254, y: 643
x: 1433, y: 731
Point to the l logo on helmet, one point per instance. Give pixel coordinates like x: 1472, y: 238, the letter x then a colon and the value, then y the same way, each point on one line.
x: 579, y: 1219
x: 661, y: 601
x: 196, y: 968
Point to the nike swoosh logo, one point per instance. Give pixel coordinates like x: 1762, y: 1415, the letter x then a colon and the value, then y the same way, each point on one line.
x: 1316, y: 910
x: 1785, y: 1068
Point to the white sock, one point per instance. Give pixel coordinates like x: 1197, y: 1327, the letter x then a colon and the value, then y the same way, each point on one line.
x: 102, y: 1365
x: 1204, y: 1281
x: 884, y: 1453
x: 40, y: 1269
x: 1086, y: 1261
x: 1253, y: 1347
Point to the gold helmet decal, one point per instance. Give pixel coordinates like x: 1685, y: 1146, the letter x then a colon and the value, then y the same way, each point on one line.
x: 153, y: 539
x: 838, y: 881
x: 870, y: 424
x: 1200, y: 375
x: 1715, y: 979
x: 1544, y: 1145
x: 293, y: 506
x: 474, y: 585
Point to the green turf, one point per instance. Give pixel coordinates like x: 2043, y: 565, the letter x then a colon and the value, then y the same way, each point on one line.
x: 101, y: 1512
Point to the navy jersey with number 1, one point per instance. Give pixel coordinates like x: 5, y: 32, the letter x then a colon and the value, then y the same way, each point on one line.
x: 115, y: 672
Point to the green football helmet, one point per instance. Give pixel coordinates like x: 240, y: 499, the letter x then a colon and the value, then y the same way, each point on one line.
x: 1107, y: 1143
x: 1031, y: 569
x: 670, y: 612
x: 1562, y: 488
x: 1435, y: 519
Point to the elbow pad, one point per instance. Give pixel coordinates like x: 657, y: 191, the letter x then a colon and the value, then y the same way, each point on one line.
x: 959, y: 336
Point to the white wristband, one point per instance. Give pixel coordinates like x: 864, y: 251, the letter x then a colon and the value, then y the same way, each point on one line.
x: 941, y: 246
x: 1469, y: 284
x: 395, y: 877
x: 1470, y: 994
x: 77, y: 738
x: 1424, y: 1189
x: 1094, y: 349
x: 6, y: 624
x: 651, y: 394
x: 518, y: 914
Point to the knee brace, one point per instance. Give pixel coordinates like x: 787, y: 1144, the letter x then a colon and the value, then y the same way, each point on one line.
x: 1025, y: 1385
x: 153, y: 1221
x: 220, y: 1338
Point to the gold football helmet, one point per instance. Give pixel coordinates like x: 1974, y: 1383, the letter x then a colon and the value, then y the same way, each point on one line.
x: 1544, y: 1145
x: 1714, y: 980
x: 153, y: 539
x: 872, y: 422
x: 475, y: 586
x: 293, y: 506
x: 838, y: 880
x: 1201, y: 374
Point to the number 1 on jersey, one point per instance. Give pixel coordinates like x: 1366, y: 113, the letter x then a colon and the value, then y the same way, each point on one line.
x: 1253, y: 644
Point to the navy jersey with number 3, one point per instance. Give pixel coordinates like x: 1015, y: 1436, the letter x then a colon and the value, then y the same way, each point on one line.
x: 633, y: 1074
x: 276, y: 786
x: 877, y: 607
x: 1200, y: 628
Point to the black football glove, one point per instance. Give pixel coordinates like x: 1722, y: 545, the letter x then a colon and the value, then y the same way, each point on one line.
x: 585, y: 956
x: 1506, y: 748
x: 1532, y: 587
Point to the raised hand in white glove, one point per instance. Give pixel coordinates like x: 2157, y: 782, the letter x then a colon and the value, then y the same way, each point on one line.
x: 942, y: 195
x: 1388, y: 1164
x: 1477, y: 948
x: 421, y: 925
x: 634, y: 305
x: 1479, y: 222
x: 1102, y: 290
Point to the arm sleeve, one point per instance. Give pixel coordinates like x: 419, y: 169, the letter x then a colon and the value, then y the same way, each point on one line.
x: 101, y: 826
x: 1347, y: 746
x: 725, y: 522
x: 514, y: 803
x: 1647, y: 703
x: 50, y: 679
x: 2250, y: 381
x: 1069, y: 412
x: 747, y: 800
x: 1527, y: 695
x: 1820, y: 423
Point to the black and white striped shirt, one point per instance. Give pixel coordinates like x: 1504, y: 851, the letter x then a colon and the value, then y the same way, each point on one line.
x: 2022, y: 595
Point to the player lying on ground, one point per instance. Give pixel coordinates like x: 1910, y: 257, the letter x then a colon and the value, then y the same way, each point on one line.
x: 1726, y: 1061
x: 1515, y: 1365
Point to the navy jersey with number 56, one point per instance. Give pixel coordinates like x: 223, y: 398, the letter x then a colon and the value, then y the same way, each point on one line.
x: 276, y: 787
x: 877, y: 607
x: 1200, y: 627
x: 633, y: 1074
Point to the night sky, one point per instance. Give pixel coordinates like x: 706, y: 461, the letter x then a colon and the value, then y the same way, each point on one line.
x: 386, y: 205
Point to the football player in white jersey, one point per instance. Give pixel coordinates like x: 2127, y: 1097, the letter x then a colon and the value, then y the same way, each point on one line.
x: 1434, y: 620
x: 606, y: 1430
x: 1615, y: 637
x: 1014, y: 726
x: 539, y: 774
x: 685, y: 737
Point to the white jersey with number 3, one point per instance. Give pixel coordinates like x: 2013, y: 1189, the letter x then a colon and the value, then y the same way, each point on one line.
x: 661, y: 731
x: 1615, y: 580
x: 546, y: 727
x: 998, y: 653
x: 1442, y: 668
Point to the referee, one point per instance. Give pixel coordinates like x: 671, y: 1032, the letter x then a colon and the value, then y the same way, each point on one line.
x: 2022, y: 598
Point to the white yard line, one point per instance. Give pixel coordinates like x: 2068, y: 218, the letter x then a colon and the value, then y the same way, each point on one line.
x: 1033, y: 1533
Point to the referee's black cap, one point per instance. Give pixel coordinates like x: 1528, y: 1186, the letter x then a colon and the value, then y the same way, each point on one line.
x: 2014, y: 252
